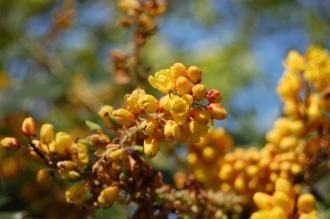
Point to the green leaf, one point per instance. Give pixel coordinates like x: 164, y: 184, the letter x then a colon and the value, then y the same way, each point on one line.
x: 93, y: 126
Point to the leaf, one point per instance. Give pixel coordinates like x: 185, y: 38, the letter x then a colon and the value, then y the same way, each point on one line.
x: 93, y: 126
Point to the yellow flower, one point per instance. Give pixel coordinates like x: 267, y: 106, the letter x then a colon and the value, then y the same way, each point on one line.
x: 164, y: 102
x: 188, y: 98
x: 124, y: 117
x: 194, y: 74
x: 76, y: 193
x: 178, y: 106
x: 149, y: 103
x: 179, y: 70
x: 172, y: 130
x: 306, y: 203
x: 151, y: 147
x: 62, y: 145
x: 295, y: 61
x: 131, y: 100
x: 104, y: 113
x: 162, y: 80
x: 199, y: 91
x: 263, y: 200
x: 217, y: 111
x: 80, y: 153
x: 10, y: 143
x: 200, y: 115
x: 149, y: 127
x: 198, y: 129
x: 289, y: 85
x: 47, y: 133
x: 29, y: 126
x: 108, y: 196
x: 183, y: 85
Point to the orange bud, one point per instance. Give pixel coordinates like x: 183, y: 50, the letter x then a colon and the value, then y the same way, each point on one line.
x: 194, y: 74
x: 10, y: 143
x: 29, y: 127
x: 217, y: 111
x: 213, y: 96
x: 178, y: 70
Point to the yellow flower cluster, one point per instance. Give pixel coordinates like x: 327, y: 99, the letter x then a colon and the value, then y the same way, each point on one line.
x: 179, y: 115
x: 282, y: 203
x: 184, y: 114
x: 204, y: 156
x: 308, y: 74
x: 293, y: 142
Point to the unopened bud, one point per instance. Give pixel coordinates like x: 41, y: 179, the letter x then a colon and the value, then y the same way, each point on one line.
x: 29, y: 127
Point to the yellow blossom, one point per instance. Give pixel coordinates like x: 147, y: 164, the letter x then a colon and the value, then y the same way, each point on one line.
x: 108, y: 196
x: 47, y: 133
x: 80, y: 153
x: 76, y: 193
x: 162, y: 80
x: 295, y: 61
x: 131, y: 100
x: 149, y: 103
x: 151, y: 146
x: 178, y: 106
x: 149, y: 127
x: 172, y: 130
x: 62, y: 144
x: 306, y: 203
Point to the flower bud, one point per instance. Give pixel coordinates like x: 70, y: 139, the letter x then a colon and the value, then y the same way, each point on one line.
x: 188, y: 98
x: 104, y: 113
x: 198, y: 129
x: 199, y: 91
x: 213, y: 96
x: 45, y: 176
x: 80, y: 153
x: 194, y: 74
x: 151, y: 147
x: 108, y: 196
x: 10, y: 143
x: 62, y: 144
x: 183, y: 85
x: 66, y: 166
x: 263, y: 200
x: 47, y: 133
x: 282, y: 200
x: 76, y: 193
x: 124, y: 117
x: 149, y: 103
x: 29, y: 127
x: 179, y: 70
x: 306, y: 203
x: 217, y: 111
x: 172, y: 130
